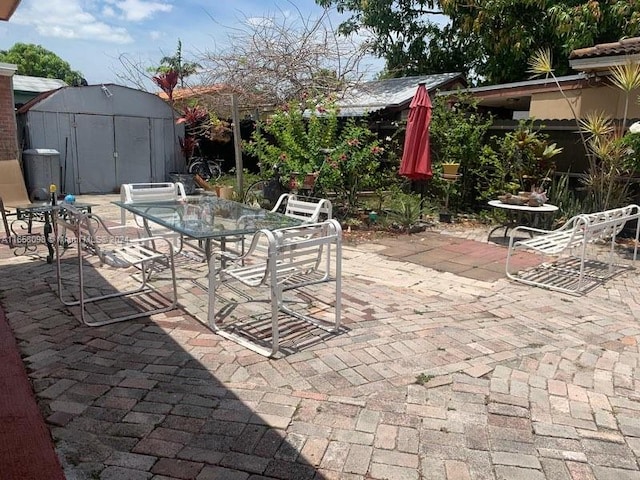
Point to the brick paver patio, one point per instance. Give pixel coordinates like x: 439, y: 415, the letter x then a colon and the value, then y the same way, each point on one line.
x: 436, y: 375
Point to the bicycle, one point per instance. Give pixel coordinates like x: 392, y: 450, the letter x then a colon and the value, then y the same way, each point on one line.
x: 207, y: 169
x: 265, y: 193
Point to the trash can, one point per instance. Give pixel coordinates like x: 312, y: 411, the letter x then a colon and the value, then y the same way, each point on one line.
x: 42, y: 168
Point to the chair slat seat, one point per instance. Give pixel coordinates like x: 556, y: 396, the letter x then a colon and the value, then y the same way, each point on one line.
x: 554, y: 242
x: 295, y: 257
x: 573, y: 236
x: 134, y: 254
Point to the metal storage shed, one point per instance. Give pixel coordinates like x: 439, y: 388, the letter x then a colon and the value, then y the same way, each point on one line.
x: 106, y: 135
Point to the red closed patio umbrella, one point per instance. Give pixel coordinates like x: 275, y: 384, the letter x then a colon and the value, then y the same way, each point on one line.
x: 416, y: 157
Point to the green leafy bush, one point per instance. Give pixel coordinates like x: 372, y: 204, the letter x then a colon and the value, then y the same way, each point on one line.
x: 457, y: 135
x: 308, y: 138
x: 529, y: 156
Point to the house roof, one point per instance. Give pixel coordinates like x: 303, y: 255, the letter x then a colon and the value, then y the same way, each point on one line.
x: 627, y: 46
x: 517, y: 95
x: 601, y: 57
x: 391, y: 93
x: 199, y: 91
x: 25, y: 83
x: 7, y: 7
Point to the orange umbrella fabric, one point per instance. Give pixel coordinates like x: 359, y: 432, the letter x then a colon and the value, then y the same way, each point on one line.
x: 416, y: 156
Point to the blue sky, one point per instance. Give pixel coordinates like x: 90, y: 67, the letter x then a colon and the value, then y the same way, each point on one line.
x: 92, y: 34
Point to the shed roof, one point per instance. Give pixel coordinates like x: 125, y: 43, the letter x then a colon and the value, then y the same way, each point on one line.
x: 26, y: 83
x: 107, y: 99
x: 390, y: 93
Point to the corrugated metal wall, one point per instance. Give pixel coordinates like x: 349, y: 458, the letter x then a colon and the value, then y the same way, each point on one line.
x: 106, y: 136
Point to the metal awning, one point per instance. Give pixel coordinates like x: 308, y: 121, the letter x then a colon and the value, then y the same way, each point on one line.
x: 7, y: 7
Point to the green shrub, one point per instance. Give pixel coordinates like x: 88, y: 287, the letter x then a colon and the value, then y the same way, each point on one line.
x: 308, y: 138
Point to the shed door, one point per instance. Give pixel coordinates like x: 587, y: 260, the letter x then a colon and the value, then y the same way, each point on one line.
x: 133, y: 150
x: 96, y: 172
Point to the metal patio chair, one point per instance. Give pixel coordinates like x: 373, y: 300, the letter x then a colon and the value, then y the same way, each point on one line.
x: 93, y: 235
x: 153, y: 193
x: 296, y: 257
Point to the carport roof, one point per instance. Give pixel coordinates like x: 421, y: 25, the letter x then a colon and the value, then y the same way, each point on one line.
x: 393, y: 93
x: 25, y: 83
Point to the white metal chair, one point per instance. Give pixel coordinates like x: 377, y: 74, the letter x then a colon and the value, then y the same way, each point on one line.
x: 308, y: 210
x: 296, y: 257
x: 152, y: 193
x: 91, y: 233
x: 575, y: 273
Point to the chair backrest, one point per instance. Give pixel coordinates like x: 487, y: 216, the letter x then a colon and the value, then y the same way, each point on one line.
x: 150, y: 193
x: 609, y: 223
x: 308, y: 210
x: 293, y: 252
x: 302, y: 249
x: 12, y: 188
x: 92, y: 231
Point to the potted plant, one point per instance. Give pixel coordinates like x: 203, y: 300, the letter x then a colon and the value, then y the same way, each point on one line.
x: 450, y: 169
x: 529, y: 157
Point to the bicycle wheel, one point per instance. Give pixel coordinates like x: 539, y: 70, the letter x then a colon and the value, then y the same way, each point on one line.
x: 201, y: 169
x: 255, y: 195
x: 216, y: 170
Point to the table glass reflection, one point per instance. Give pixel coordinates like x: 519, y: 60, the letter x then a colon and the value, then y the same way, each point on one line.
x: 209, y: 217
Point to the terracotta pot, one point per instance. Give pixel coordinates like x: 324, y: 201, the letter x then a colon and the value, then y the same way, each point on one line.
x: 225, y: 192
x: 309, y: 181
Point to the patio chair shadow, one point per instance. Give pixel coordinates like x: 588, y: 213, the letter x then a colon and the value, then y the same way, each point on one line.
x: 162, y: 391
x: 242, y: 313
x: 561, y: 273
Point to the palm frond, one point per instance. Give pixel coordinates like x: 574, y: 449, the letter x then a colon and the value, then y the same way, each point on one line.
x: 540, y: 63
x: 626, y: 77
x: 597, y: 124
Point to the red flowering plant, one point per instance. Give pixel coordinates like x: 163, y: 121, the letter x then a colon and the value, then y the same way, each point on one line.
x: 167, y: 81
x: 196, y: 124
x: 307, y: 138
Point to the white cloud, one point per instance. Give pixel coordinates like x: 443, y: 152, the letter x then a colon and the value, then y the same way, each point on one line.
x: 155, y: 35
x: 68, y: 19
x: 138, y: 10
x: 108, y: 11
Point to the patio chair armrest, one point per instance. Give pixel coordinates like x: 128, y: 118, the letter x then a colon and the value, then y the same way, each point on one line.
x: 233, y: 257
x: 524, y: 228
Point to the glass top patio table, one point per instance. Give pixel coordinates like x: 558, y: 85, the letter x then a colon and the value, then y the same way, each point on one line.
x: 208, y: 217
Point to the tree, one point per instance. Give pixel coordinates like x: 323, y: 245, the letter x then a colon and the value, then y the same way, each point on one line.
x: 37, y: 61
x: 177, y: 64
x: 493, y: 38
x: 280, y: 57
